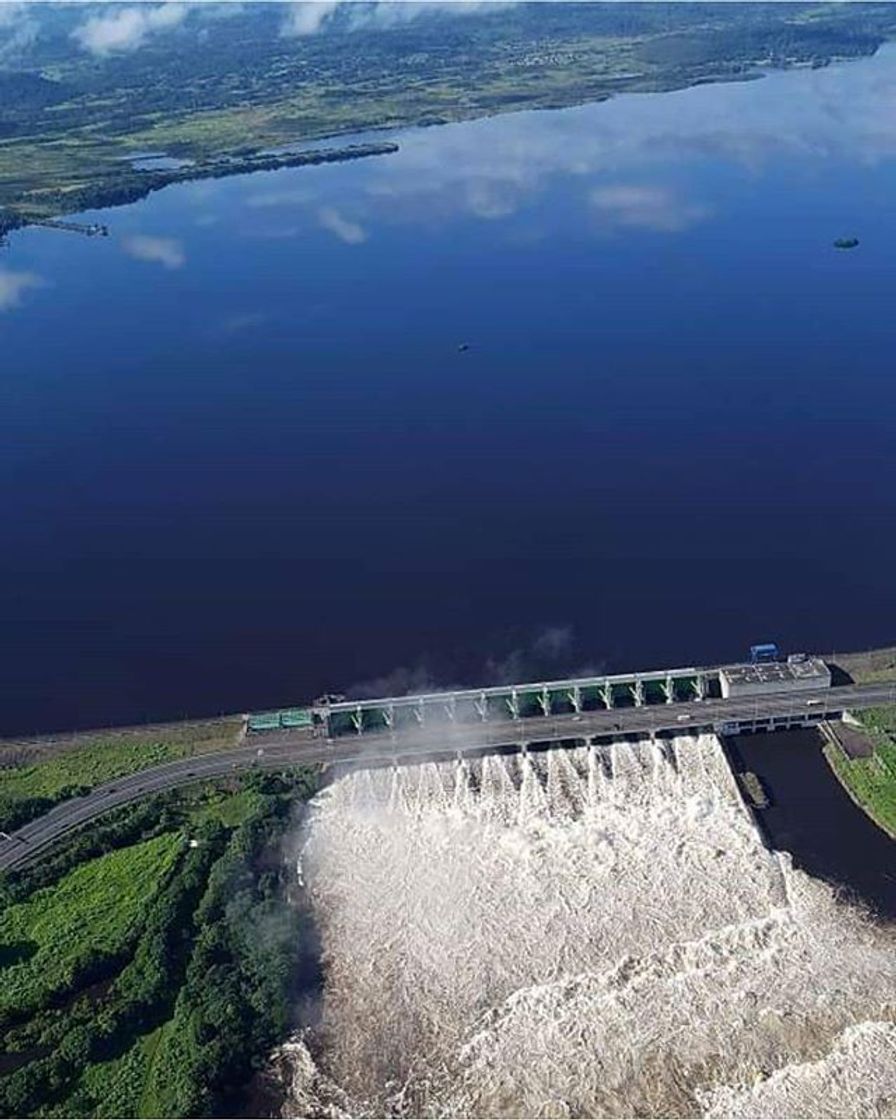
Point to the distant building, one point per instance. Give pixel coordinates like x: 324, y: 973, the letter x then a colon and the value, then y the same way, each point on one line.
x: 774, y: 676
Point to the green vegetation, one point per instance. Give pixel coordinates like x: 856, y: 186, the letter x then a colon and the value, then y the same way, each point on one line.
x: 69, y: 120
x: 872, y: 781
x: 49, y: 773
x: 62, y: 933
x: 176, y: 961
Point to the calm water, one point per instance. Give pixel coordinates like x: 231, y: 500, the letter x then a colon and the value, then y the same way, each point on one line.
x: 243, y: 459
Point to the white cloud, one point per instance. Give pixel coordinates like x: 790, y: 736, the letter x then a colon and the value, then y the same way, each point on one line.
x: 9, y: 11
x: 346, y: 230
x: 645, y: 207
x: 18, y: 29
x: 306, y: 17
x: 126, y: 29
x: 13, y: 284
x: 160, y: 250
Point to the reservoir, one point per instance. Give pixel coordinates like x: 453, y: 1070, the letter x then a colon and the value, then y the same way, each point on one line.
x: 811, y: 816
x: 542, y: 393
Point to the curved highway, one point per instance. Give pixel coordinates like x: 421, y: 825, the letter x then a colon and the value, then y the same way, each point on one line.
x: 276, y: 750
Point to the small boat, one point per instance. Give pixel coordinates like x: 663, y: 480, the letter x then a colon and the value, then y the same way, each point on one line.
x: 846, y: 242
x: 464, y: 346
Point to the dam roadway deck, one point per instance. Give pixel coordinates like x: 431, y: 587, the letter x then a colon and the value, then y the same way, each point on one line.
x: 278, y: 750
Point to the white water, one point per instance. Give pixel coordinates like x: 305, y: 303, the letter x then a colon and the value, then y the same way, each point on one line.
x: 585, y: 933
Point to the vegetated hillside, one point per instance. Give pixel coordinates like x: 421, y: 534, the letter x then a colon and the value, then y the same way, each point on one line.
x: 148, y: 967
x: 216, y: 86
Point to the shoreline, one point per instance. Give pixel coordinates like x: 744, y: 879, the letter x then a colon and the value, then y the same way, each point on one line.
x: 69, y: 196
x: 128, y: 187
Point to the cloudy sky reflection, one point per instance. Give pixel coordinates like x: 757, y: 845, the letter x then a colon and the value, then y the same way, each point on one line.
x: 634, y: 162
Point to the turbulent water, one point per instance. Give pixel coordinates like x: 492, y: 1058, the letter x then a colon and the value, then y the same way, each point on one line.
x: 584, y: 932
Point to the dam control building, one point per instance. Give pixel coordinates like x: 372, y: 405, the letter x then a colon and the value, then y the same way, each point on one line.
x: 797, y: 674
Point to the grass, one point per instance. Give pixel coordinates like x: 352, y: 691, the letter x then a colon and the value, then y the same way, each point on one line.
x: 50, y: 773
x: 231, y: 809
x: 94, y: 912
x: 872, y: 781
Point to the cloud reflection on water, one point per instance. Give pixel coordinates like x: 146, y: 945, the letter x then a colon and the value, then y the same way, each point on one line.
x: 166, y: 251
x: 13, y: 285
x: 638, y: 157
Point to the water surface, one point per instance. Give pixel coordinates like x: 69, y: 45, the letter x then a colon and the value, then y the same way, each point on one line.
x: 812, y: 816
x: 244, y: 459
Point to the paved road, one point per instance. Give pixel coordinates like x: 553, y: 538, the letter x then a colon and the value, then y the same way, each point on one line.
x: 277, y: 750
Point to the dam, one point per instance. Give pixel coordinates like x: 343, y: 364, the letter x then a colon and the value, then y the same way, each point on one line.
x: 605, y: 929
x: 726, y: 700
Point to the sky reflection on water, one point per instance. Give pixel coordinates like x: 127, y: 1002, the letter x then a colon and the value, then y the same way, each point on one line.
x: 243, y: 458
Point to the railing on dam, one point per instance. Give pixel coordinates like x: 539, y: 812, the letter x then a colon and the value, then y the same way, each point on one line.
x: 516, y: 702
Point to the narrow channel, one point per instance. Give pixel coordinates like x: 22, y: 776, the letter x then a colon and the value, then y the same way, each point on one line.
x: 811, y: 816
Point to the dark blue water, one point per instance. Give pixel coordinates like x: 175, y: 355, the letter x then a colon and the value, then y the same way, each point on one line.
x: 811, y: 816
x: 243, y: 459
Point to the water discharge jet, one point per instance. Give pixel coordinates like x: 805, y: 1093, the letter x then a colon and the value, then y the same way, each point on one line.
x: 594, y: 931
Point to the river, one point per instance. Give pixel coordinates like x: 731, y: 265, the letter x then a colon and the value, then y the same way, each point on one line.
x: 540, y: 393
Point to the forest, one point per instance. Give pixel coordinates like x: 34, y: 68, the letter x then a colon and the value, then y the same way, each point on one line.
x: 150, y: 963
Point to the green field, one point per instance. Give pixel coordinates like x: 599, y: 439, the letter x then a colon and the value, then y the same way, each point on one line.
x: 53, y: 939
x: 872, y: 781
x: 48, y: 773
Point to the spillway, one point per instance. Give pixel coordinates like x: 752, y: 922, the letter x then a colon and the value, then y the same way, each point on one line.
x: 584, y: 932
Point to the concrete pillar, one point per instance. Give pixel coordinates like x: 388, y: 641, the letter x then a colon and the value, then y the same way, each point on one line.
x: 481, y: 706
x: 544, y: 701
x: 419, y: 713
x: 669, y: 689
x: 357, y: 718
x: 606, y: 694
x: 389, y: 716
x: 699, y: 686
x: 451, y: 707
x: 575, y: 697
x: 637, y: 690
x: 513, y: 704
